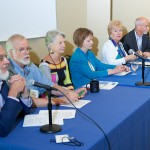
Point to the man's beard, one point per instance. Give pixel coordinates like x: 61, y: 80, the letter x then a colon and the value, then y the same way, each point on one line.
x: 4, y: 76
x: 21, y: 60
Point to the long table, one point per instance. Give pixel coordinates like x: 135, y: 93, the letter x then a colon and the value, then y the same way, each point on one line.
x: 129, y: 79
x: 123, y: 113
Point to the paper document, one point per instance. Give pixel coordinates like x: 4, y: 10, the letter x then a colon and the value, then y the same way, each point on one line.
x: 77, y: 104
x: 62, y: 138
x: 66, y: 114
x: 107, y: 85
x: 104, y: 85
x: 146, y: 63
x: 122, y: 73
x: 41, y: 119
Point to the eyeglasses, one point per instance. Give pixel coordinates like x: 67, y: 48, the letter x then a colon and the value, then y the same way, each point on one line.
x: 2, y: 57
x: 71, y: 141
x: 22, y: 50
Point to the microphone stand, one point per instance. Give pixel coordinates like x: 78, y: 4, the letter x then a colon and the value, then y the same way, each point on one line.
x: 143, y: 83
x: 50, y: 128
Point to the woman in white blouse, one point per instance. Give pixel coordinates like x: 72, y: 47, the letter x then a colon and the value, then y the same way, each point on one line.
x: 112, y: 51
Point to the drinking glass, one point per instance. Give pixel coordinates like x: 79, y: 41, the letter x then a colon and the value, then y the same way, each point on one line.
x: 134, y: 66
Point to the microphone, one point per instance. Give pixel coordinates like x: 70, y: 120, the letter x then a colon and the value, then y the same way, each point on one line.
x: 48, y: 128
x: 131, y: 51
x: 32, y: 82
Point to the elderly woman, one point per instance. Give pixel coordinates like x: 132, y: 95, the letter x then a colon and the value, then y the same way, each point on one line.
x: 54, y: 65
x: 84, y: 66
x: 113, y: 51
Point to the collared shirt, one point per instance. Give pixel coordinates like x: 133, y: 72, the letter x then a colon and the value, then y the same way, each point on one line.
x: 110, y: 55
x: 120, y: 47
x: 1, y: 98
x: 139, y: 41
x: 29, y: 72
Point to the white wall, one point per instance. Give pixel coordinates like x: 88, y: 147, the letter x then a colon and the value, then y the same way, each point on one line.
x: 98, y: 17
x: 31, y: 18
x: 128, y: 10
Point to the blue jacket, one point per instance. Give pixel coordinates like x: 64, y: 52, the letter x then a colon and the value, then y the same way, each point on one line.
x: 81, y: 72
x: 9, y: 111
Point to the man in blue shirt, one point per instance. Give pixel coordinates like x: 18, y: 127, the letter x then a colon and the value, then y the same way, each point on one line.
x: 18, y: 50
x: 13, y: 99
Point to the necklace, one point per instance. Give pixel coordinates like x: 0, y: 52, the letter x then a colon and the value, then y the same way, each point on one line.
x: 54, y: 62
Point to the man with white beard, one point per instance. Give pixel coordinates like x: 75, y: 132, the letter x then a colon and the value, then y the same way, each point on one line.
x: 13, y: 97
x: 18, y: 50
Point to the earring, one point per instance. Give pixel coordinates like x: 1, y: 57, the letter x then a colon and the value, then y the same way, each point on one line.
x: 50, y: 51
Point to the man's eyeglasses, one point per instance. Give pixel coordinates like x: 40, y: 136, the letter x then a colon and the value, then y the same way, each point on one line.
x: 22, y: 50
x: 2, y: 57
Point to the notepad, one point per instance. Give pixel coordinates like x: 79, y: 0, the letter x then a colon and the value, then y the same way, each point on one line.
x: 105, y: 85
x: 122, y: 73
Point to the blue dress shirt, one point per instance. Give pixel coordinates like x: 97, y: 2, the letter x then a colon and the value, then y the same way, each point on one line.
x: 31, y: 71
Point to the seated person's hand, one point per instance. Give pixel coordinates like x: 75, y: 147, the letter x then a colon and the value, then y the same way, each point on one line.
x: 81, y: 92
x: 127, y: 69
x: 61, y: 100
x: 140, y: 52
x: 72, y: 95
x: 16, y: 84
x: 117, y: 69
x: 130, y: 57
x: 15, y: 78
x: 146, y: 54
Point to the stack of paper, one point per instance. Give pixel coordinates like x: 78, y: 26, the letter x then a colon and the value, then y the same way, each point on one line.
x: 58, y: 116
x: 107, y: 85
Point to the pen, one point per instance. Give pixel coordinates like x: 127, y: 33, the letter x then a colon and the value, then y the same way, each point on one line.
x: 80, y: 93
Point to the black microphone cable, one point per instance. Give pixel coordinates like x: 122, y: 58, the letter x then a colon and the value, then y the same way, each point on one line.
x: 32, y: 82
x: 90, y: 119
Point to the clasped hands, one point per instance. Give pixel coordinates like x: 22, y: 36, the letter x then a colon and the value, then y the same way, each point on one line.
x: 17, y: 85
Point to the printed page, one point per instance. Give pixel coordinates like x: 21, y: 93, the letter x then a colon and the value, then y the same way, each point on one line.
x: 77, y: 104
x: 66, y: 114
x: 41, y: 119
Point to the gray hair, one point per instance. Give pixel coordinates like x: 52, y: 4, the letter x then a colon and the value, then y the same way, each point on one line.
x: 51, y: 37
x: 140, y: 21
x: 13, y: 41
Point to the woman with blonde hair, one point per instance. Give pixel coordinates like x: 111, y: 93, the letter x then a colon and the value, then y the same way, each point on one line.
x: 113, y: 51
x: 84, y: 65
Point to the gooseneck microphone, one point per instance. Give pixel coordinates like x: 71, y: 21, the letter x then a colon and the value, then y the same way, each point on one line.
x: 32, y: 82
x: 141, y: 83
x: 53, y: 128
x: 48, y: 128
x: 131, y: 51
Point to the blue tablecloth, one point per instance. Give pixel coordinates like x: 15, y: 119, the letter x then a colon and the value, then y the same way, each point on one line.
x: 129, y: 79
x: 123, y: 113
